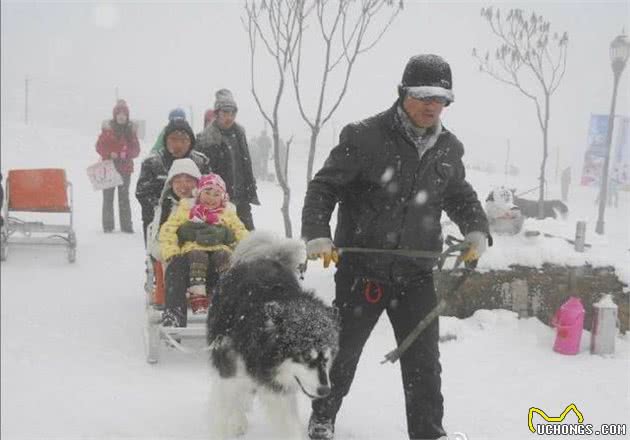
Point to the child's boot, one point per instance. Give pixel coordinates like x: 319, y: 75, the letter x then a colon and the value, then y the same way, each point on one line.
x: 198, y: 299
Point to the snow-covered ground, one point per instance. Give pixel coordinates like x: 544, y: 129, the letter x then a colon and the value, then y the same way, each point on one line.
x: 72, y: 350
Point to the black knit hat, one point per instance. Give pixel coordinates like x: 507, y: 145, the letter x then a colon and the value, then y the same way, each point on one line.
x: 179, y: 125
x: 427, y: 75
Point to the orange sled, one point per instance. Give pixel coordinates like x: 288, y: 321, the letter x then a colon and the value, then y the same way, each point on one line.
x: 41, y: 191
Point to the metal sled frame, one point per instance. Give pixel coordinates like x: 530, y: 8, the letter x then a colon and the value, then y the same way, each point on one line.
x: 59, y: 200
x: 155, y: 335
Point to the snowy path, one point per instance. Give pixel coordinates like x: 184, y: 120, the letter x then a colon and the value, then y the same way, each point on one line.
x: 73, y: 362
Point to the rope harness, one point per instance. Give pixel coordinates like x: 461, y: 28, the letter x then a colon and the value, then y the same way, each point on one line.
x: 373, y: 290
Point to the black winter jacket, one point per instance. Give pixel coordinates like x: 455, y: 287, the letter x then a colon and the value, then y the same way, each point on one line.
x: 153, y: 175
x: 229, y: 157
x: 389, y: 197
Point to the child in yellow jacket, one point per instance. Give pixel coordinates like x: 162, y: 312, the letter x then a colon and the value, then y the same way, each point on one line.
x: 212, y: 207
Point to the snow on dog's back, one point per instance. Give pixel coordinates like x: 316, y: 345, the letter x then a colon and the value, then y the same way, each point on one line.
x: 266, y: 245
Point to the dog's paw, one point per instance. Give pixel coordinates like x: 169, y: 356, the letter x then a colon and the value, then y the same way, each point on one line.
x: 237, y: 425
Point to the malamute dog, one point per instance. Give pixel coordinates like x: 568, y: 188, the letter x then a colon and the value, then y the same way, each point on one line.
x: 268, y: 337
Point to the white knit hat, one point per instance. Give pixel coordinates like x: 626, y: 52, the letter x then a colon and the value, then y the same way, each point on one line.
x: 180, y: 166
x: 183, y: 166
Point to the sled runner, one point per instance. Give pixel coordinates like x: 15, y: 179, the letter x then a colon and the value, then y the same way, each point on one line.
x: 41, y: 191
x: 157, y: 336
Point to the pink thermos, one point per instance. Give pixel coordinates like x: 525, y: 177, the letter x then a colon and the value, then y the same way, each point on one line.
x: 569, y: 321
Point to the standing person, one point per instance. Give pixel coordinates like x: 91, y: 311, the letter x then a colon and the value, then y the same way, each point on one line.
x: 392, y: 175
x: 225, y: 144
x: 264, y: 147
x: 208, y: 117
x: 179, y: 140
x: 176, y: 113
x: 118, y: 141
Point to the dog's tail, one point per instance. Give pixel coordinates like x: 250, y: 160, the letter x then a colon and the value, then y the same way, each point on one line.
x: 265, y: 245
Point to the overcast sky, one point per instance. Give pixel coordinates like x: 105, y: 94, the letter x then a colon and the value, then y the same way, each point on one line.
x: 159, y: 55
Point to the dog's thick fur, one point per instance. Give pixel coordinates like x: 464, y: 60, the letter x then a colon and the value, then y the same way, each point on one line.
x: 268, y: 337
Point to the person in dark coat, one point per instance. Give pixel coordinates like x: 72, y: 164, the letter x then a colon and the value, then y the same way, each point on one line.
x: 224, y: 142
x: 392, y: 175
x: 118, y: 141
x: 179, y: 141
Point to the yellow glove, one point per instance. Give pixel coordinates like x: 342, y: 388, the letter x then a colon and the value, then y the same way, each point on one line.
x: 322, y: 248
x: 477, y: 242
x: 470, y: 255
x: 330, y: 256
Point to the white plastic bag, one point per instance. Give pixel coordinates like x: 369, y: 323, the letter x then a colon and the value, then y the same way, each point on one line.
x: 104, y: 175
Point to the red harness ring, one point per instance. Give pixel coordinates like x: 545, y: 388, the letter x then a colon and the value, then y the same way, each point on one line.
x: 372, y: 286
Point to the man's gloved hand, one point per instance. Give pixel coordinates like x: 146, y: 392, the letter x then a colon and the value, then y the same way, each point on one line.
x: 322, y: 248
x: 478, y: 243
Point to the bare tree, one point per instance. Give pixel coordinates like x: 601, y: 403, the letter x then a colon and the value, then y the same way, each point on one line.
x: 531, y: 59
x: 277, y: 25
x: 343, y: 26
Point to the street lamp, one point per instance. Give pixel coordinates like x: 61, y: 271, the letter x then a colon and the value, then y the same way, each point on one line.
x: 619, y: 52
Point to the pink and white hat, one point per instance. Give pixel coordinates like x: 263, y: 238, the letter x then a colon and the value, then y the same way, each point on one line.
x: 213, y: 181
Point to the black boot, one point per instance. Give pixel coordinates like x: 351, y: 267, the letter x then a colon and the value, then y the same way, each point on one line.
x: 170, y: 318
x: 320, y: 429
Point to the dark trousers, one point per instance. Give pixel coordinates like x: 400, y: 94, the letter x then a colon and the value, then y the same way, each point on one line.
x: 406, y: 305
x: 244, y: 212
x: 147, y: 218
x: 177, y: 280
x: 124, y: 210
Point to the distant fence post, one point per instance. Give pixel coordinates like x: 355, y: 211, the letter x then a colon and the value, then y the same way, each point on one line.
x: 580, y: 236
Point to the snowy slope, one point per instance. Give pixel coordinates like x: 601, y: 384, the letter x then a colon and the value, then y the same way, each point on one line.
x: 72, y: 364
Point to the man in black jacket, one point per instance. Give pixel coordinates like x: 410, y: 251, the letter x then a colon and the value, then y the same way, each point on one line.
x: 224, y: 142
x: 179, y: 140
x: 392, y: 175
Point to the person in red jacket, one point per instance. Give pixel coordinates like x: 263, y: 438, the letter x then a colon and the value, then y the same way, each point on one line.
x: 118, y: 142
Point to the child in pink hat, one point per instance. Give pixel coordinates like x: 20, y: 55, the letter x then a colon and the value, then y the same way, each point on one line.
x: 210, y: 206
x: 212, y: 198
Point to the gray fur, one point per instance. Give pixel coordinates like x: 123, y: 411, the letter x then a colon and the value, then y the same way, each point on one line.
x: 266, y: 245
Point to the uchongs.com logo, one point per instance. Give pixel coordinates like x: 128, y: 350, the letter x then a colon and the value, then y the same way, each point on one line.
x: 554, y: 425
